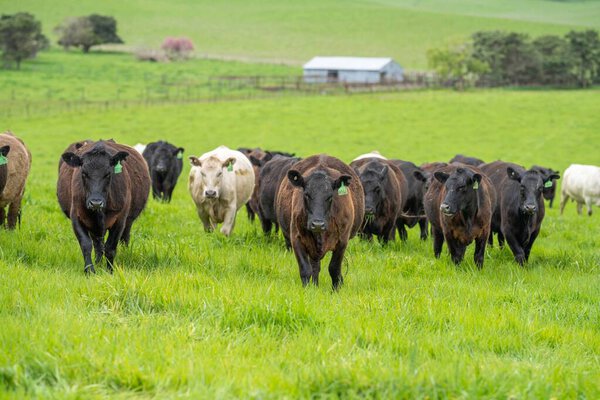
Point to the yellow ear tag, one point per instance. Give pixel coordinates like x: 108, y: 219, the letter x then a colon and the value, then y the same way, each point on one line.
x: 229, y: 167
x: 343, y: 190
x: 118, y: 168
x: 548, y: 184
x: 3, y: 160
x: 475, y: 185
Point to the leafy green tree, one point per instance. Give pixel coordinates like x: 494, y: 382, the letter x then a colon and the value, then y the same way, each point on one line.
x: 86, y: 32
x: 456, y: 63
x: 556, y: 58
x: 20, y: 38
x: 585, y: 47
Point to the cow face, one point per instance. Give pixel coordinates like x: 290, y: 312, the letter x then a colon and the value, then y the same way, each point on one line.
x: 318, y: 190
x: 461, y: 190
x: 423, y: 178
x: 374, y: 179
x: 211, y: 174
x: 531, y: 188
x: 97, y: 170
x: 165, y: 158
x: 549, y: 184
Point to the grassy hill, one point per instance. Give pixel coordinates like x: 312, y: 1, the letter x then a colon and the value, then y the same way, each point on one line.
x: 189, y: 314
x: 294, y: 31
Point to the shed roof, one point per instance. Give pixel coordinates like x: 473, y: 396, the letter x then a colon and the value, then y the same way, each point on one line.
x: 348, y: 63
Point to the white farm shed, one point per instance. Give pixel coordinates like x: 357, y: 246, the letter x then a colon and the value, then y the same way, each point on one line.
x: 352, y: 70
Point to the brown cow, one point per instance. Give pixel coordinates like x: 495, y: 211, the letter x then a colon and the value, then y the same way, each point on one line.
x: 385, y: 189
x: 319, y: 208
x: 109, y: 185
x: 459, y: 205
x: 17, y: 163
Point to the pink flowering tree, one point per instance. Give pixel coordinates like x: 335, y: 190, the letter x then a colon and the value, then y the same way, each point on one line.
x: 177, y: 48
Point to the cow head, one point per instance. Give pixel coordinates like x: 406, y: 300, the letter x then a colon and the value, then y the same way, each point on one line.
x: 374, y: 178
x: 423, y: 178
x: 461, y: 190
x: 318, y: 190
x: 531, y: 188
x: 211, y: 174
x: 97, y: 170
x: 549, y: 184
x: 165, y: 158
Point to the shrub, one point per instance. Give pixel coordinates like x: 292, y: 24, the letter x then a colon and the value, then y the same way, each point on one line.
x: 177, y: 48
x: 86, y: 32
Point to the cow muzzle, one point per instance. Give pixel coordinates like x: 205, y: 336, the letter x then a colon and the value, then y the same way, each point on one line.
x: 445, y: 209
x: 210, y: 194
x: 95, y: 204
x: 530, y: 209
x: 317, y: 226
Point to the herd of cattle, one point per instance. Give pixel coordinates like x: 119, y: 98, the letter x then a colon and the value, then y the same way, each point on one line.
x: 319, y: 203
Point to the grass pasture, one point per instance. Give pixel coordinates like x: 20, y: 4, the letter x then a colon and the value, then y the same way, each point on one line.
x: 189, y: 314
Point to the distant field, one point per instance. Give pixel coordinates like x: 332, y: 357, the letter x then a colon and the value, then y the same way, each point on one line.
x: 295, y: 31
x: 189, y: 314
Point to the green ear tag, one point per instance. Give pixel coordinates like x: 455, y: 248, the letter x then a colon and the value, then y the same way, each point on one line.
x: 546, y: 185
x: 343, y: 190
x: 180, y: 155
x: 118, y: 168
x: 229, y: 167
x: 475, y: 185
x: 3, y: 160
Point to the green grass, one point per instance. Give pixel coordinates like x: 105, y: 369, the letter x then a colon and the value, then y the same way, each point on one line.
x: 295, y: 31
x: 189, y: 314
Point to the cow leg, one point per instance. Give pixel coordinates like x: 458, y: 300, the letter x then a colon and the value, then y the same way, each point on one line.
x: 303, y: 262
x: 500, y: 240
x: 401, y: 230
x: 516, y: 248
x: 438, y: 241
x: 98, y: 248
x: 14, y: 211
x: 126, y: 232
x: 387, y: 233
x: 85, y: 243
x: 335, y: 266
x: 155, y: 190
x: 229, y: 220
x: 457, y: 251
x: 529, y: 245
x: 2, y: 216
x: 490, y: 239
x: 579, y: 208
x: 250, y: 212
x: 551, y: 202
x: 168, y: 192
x: 316, y: 270
x: 479, y: 251
x: 114, y: 235
x: 588, y: 203
x: 266, y: 225
x: 423, y: 228
x: 205, y: 219
x: 563, y: 202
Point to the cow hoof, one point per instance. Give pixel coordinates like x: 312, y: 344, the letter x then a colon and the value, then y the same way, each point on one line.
x: 89, y: 269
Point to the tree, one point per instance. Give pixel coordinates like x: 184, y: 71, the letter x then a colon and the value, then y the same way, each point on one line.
x: 86, y: 32
x: 456, y: 63
x: 557, y: 60
x: 177, y: 48
x: 20, y: 38
x: 585, y: 47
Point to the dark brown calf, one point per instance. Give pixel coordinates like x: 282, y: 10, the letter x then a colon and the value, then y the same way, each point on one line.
x: 319, y: 208
x: 459, y: 205
x: 109, y: 186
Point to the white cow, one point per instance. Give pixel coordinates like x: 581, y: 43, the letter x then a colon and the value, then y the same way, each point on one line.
x: 221, y: 181
x: 581, y: 183
x: 140, y: 148
x: 373, y: 154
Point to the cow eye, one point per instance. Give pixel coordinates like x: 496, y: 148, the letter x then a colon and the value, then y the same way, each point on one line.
x: 219, y: 174
x: 85, y: 175
x: 107, y: 175
x: 377, y: 189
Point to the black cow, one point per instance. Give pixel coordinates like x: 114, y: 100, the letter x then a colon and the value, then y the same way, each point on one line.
x: 459, y: 158
x: 549, y: 185
x: 520, y: 210
x: 271, y: 175
x: 417, y: 181
x: 165, y: 163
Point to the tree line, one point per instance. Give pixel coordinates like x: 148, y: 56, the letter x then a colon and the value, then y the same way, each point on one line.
x: 512, y: 58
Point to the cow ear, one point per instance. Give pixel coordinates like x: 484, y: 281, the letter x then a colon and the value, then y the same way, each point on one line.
x: 228, y: 162
x: 255, y: 161
x: 384, y: 171
x: 117, y: 158
x: 512, y: 174
x: 345, y: 179
x: 553, y: 176
x: 268, y: 156
x: 79, y: 145
x: 4, y: 150
x: 72, y: 159
x: 441, y: 176
x: 476, y: 178
x: 179, y: 150
x: 295, y: 178
x: 195, y: 161
x: 420, y: 176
